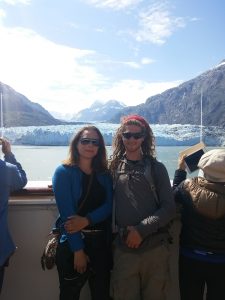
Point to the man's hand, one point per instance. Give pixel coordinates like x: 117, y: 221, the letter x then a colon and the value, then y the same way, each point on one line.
x: 133, y: 239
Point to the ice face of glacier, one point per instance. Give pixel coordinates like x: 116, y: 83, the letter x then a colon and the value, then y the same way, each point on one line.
x: 166, y: 135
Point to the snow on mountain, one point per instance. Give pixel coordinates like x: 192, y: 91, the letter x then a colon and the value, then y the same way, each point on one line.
x: 99, y: 111
x: 61, y: 116
x: 220, y: 64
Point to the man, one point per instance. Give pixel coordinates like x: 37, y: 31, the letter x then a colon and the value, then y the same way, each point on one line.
x: 12, y: 177
x: 143, y: 207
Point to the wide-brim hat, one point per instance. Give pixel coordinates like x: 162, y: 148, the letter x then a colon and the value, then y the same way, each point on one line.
x: 212, y: 163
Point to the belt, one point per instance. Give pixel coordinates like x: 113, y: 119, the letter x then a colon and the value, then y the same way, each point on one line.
x: 123, y: 232
x: 92, y: 231
x: 151, y: 241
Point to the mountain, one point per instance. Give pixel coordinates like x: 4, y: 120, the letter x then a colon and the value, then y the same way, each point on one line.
x: 61, y: 115
x: 182, y: 105
x: 99, y: 111
x: 20, y: 111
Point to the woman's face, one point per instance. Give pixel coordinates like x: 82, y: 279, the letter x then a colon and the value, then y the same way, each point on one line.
x: 88, y: 144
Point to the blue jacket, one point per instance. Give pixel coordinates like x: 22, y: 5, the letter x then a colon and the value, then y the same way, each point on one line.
x: 12, y: 177
x: 67, y: 187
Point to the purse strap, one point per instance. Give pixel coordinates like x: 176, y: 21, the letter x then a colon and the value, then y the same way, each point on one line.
x: 87, y: 193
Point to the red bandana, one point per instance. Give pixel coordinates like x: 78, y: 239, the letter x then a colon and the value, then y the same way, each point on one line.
x: 136, y: 118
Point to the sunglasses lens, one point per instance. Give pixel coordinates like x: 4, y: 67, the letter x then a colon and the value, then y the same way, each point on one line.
x: 135, y: 135
x: 95, y: 143
x: 127, y: 135
x: 86, y: 141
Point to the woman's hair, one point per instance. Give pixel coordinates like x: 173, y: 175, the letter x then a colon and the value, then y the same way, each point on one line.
x: 99, y: 162
x: 147, y: 147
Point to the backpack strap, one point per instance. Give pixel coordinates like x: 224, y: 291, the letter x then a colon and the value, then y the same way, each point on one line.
x: 119, y: 171
x: 115, y: 180
x: 150, y: 176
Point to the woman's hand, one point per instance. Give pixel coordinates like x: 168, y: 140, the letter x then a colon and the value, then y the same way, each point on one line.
x: 75, y: 224
x: 6, y: 147
x: 80, y: 261
x: 133, y: 239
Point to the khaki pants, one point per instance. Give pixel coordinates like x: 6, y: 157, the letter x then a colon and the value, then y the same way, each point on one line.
x: 141, y: 276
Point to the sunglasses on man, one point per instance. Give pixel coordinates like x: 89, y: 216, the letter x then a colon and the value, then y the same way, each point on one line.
x: 136, y: 135
x: 87, y: 141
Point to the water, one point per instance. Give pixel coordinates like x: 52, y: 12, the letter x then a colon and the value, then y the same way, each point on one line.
x: 40, y: 162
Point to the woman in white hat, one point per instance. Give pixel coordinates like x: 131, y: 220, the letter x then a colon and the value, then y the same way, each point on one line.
x: 202, y: 239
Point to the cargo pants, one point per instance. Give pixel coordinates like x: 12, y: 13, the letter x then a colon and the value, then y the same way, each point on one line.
x: 141, y: 275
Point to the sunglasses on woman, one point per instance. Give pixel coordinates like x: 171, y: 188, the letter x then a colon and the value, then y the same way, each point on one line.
x: 136, y: 135
x: 87, y: 141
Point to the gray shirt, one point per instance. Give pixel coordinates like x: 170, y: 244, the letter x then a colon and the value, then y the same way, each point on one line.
x: 135, y: 204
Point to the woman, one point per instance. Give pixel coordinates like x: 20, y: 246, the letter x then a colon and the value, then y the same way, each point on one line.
x: 83, y: 193
x: 202, y: 240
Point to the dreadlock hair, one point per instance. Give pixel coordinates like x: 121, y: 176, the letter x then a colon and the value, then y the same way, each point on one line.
x: 147, y: 147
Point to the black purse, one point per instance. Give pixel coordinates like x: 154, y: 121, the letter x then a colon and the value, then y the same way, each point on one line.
x: 49, y: 254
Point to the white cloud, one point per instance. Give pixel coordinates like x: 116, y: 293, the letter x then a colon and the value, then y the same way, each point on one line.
x: 15, y: 2
x: 107, y: 62
x: 195, y: 19
x: 157, y: 24
x: 114, y: 4
x: 59, y: 77
x: 131, y: 64
x: 74, y: 25
x: 2, y: 15
x: 43, y: 71
x: 99, y: 29
x: 147, y: 61
x: 138, y: 65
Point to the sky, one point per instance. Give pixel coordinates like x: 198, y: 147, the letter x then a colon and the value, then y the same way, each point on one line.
x: 66, y: 54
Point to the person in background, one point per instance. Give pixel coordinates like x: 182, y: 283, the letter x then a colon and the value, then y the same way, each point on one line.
x: 12, y: 178
x: 202, y: 239
x: 83, y: 191
x: 141, y: 257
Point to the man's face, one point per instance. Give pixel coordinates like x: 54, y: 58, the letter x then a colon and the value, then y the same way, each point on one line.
x: 132, y: 137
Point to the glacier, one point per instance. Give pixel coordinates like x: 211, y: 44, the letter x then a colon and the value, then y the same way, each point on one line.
x: 165, y: 135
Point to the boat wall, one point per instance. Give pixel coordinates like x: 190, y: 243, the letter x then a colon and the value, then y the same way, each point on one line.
x: 30, y: 220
